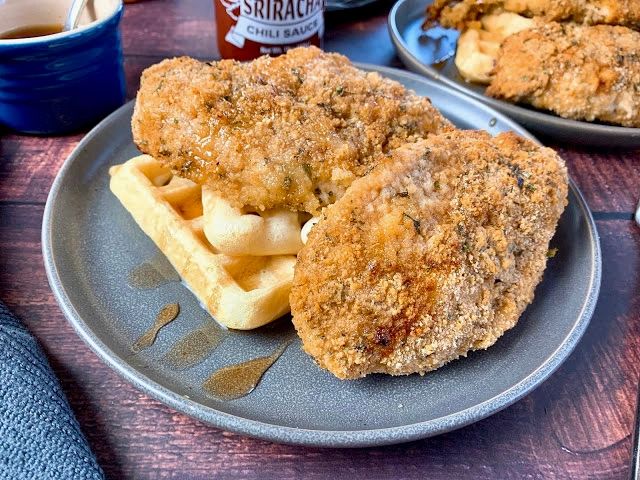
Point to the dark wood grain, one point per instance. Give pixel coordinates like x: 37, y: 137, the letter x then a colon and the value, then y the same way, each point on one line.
x: 576, y: 425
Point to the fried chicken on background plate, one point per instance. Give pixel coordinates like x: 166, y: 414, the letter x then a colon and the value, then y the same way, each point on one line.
x: 578, y: 72
x: 585, y: 69
x: 458, y: 13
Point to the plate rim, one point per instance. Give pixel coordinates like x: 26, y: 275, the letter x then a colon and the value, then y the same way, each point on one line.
x: 549, y: 121
x: 313, y: 437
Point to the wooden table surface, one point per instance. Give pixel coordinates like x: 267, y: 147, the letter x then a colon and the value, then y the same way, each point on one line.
x: 576, y: 425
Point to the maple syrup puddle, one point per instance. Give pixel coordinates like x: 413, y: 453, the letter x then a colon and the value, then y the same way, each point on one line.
x: 195, y: 346
x: 235, y: 381
x: 165, y: 316
x: 227, y: 383
x: 153, y: 273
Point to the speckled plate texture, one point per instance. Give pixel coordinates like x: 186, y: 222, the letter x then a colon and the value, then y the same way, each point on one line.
x: 422, y: 55
x: 91, y: 243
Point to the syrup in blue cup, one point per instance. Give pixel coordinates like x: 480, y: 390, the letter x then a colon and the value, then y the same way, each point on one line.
x: 63, y: 82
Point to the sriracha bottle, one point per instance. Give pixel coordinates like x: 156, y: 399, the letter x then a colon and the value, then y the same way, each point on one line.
x: 247, y: 29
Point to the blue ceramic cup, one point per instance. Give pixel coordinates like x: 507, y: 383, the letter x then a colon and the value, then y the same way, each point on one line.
x: 63, y: 82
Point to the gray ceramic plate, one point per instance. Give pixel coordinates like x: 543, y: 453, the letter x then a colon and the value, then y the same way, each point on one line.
x: 90, y: 244
x: 424, y: 54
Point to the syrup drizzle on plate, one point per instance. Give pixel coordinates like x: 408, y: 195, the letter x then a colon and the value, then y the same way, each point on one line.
x: 153, y: 273
x: 165, y: 316
x: 194, y: 347
x: 226, y: 383
x: 240, y: 379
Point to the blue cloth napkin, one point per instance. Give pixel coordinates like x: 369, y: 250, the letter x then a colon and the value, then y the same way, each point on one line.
x: 39, y: 436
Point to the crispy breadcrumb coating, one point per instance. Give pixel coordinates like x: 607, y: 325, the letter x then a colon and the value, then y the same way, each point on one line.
x: 458, y: 13
x: 431, y: 255
x: 579, y: 72
x: 290, y: 131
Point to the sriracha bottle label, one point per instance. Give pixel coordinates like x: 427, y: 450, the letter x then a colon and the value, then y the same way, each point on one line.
x: 247, y: 29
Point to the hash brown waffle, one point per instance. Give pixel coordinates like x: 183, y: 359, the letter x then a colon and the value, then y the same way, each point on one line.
x: 240, y: 292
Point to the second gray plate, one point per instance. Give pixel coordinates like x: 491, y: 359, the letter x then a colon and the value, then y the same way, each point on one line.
x: 91, y: 243
x: 431, y: 54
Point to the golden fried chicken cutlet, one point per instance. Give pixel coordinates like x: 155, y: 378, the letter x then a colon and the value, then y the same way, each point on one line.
x: 292, y: 131
x: 579, y: 72
x: 459, y: 13
x: 431, y: 255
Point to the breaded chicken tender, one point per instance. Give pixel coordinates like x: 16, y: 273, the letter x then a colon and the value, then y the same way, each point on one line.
x: 458, y: 13
x: 431, y: 255
x: 583, y: 73
x: 292, y: 131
